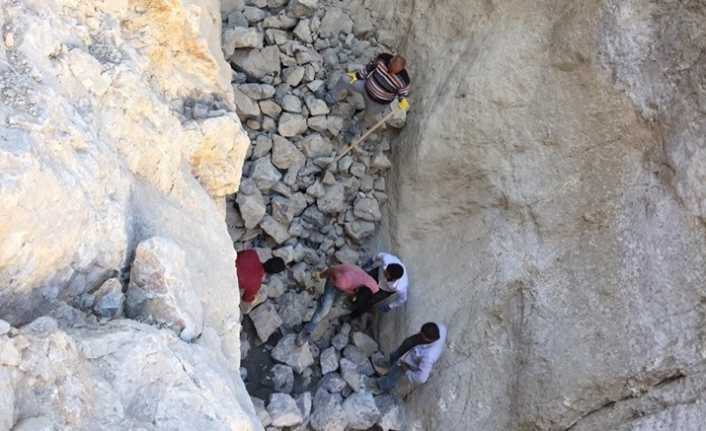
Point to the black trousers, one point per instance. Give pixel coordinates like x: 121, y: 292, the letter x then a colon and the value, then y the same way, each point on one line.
x: 365, y: 300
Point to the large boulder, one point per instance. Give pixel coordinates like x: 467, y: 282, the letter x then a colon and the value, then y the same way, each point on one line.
x: 160, y: 290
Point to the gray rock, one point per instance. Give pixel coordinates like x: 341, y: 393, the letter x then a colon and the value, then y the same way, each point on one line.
x: 266, y: 320
x: 302, y: 8
x: 240, y: 37
x: 254, y: 14
x: 251, y: 203
x: 263, y: 145
x: 276, y: 287
x: 367, y: 209
x: 287, y: 352
x: 257, y: 62
x: 356, y: 355
x: 282, y: 378
x: 359, y: 230
x: 276, y: 230
x: 304, y: 402
x: 285, y: 209
x: 329, y: 179
x: 316, y: 106
x: 264, y: 174
x: 315, y: 145
x: 379, y: 184
x: 366, y: 183
x: 328, y: 412
x: 245, y: 106
x: 391, y: 415
x: 261, y: 411
x: 357, y: 169
x: 340, y: 341
x: 362, y: 23
x: 160, y: 291
x: 380, y: 161
x: 268, y: 124
x: 345, y: 164
x: 291, y: 125
x: 350, y: 373
x: 333, y: 382
x: 284, y: 411
x: 319, y: 124
x: 285, y: 154
x: 293, y: 75
x: 329, y: 360
x: 333, y: 200
x: 36, y: 423
x: 4, y: 327
x: 285, y: 253
x: 347, y: 255
x: 294, y: 306
x: 365, y: 343
x: 292, y: 103
x: 361, y: 411
x: 228, y: 6
x: 316, y: 190
x: 276, y: 37
x: 270, y: 108
x: 335, y: 21
x: 281, y: 21
x: 257, y: 91
x: 314, y: 216
x: 237, y: 19
x: 303, y: 31
x: 109, y: 302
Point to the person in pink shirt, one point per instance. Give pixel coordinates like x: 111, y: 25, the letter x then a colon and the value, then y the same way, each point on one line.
x: 341, y: 279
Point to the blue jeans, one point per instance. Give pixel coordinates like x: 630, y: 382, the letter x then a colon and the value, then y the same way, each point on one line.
x: 389, y: 381
x: 324, y: 306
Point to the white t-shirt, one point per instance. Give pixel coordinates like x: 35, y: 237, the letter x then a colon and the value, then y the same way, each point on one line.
x: 422, y: 358
x: 398, y: 286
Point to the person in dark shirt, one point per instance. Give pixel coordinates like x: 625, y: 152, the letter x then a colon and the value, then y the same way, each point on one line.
x: 380, y: 82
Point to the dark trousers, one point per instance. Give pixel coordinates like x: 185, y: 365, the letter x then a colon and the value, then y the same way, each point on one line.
x: 365, y: 300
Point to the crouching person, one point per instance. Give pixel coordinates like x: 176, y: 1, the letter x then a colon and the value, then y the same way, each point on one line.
x: 344, y: 279
x: 416, y: 356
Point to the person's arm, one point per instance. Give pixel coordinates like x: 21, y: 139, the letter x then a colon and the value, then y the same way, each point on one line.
x: 408, y: 344
x: 400, y: 299
x: 421, y: 374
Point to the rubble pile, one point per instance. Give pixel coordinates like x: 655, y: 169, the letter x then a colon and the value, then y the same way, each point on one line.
x: 298, y: 203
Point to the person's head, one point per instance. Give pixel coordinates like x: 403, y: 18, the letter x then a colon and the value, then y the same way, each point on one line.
x: 429, y: 332
x: 397, y: 64
x: 394, y: 271
x: 274, y: 265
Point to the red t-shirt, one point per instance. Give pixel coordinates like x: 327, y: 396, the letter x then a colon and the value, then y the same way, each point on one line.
x: 250, y: 273
x: 348, y: 278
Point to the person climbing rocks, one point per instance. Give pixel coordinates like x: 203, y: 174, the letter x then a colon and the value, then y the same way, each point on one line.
x: 380, y: 82
x: 392, y: 279
x: 343, y: 279
x: 415, y: 357
x: 251, y: 271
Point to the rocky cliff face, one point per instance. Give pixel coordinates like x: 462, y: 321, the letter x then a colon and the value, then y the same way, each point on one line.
x: 117, y: 128
x: 548, y: 200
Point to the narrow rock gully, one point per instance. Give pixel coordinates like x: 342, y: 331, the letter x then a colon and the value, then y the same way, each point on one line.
x: 295, y: 203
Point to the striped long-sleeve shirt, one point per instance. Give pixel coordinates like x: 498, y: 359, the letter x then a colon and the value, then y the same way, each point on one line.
x: 382, y: 86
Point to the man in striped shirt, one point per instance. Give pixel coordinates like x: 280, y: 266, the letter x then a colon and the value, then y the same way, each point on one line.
x: 380, y: 82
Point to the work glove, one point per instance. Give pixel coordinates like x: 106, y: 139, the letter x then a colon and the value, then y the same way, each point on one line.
x: 353, y: 76
x: 404, y: 104
x: 383, y: 308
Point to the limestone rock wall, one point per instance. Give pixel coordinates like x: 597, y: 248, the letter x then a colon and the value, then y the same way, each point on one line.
x: 117, y: 124
x: 547, y: 199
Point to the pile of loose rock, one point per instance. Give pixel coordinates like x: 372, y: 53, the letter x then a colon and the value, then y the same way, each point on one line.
x: 296, y: 202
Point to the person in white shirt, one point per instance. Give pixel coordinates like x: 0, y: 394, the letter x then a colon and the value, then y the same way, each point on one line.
x: 392, y: 278
x: 416, y: 357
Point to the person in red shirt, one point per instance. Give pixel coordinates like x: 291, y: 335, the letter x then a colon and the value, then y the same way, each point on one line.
x: 251, y: 272
x: 341, y: 279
